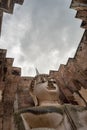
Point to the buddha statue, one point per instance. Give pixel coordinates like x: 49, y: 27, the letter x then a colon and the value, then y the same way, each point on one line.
x: 48, y: 113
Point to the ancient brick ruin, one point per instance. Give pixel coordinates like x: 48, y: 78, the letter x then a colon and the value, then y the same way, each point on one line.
x: 7, y: 6
x: 71, y: 78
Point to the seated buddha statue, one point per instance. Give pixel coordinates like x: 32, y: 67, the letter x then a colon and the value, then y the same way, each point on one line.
x: 48, y: 113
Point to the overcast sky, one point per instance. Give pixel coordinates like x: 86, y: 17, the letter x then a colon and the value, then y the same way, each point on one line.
x: 41, y: 34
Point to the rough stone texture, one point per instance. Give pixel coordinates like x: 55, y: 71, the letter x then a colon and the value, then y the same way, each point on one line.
x: 24, y: 98
x: 81, y: 16
x: 11, y: 79
x: 0, y: 123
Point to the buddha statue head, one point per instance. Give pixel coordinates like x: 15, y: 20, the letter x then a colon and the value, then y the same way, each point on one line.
x: 44, y: 90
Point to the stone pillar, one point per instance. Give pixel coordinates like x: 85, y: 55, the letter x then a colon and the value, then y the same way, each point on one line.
x: 2, y: 84
x: 12, y: 78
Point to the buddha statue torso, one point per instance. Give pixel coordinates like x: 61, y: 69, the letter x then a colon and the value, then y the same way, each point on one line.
x: 47, y: 112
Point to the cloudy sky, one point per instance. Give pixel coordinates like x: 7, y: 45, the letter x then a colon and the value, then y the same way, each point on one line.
x: 41, y: 34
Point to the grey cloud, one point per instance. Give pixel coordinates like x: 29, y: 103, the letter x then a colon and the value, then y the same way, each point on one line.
x: 45, y: 32
x: 49, y: 21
